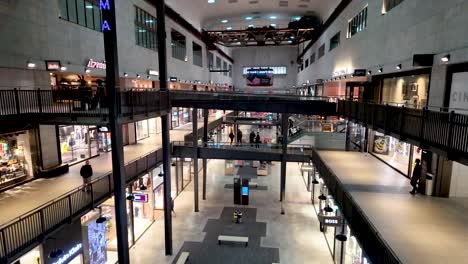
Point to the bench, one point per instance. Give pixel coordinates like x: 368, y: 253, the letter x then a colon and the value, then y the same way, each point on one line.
x: 253, y: 184
x: 235, y: 239
x: 183, y: 257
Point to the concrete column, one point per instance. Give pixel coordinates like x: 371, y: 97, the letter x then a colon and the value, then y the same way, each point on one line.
x: 195, y: 156
x: 48, y: 138
x: 437, y: 86
x: 132, y: 133
x: 284, y: 129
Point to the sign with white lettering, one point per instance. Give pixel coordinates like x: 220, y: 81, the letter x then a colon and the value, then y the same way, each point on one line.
x: 330, y: 220
x: 140, y: 197
x: 96, y: 64
x: 53, y: 65
x: 104, y: 5
x: 173, y: 79
x: 360, y: 72
x: 153, y: 72
x: 66, y: 257
x: 459, y: 93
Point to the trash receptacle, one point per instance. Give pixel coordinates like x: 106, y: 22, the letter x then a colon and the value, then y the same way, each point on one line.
x: 239, y: 217
x: 429, y: 183
x: 235, y: 217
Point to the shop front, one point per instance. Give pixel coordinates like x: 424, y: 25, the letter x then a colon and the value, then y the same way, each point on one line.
x: 398, y: 154
x: 142, y: 129
x: 409, y: 89
x: 78, y: 143
x: 15, y: 158
x: 180, y: 116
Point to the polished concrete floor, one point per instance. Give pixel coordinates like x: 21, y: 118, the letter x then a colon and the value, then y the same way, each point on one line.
x: 419, y: 229
x: 296, y: 233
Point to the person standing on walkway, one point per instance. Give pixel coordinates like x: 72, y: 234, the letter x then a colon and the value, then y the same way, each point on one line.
x: 252, y: 138
x: 257, y: 140
x: 239, y: 136
x: 416, y: 176
x: 86, y: 172
x: 231, y: 137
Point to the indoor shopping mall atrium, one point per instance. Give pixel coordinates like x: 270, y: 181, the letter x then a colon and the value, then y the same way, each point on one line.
x: 233, y: 131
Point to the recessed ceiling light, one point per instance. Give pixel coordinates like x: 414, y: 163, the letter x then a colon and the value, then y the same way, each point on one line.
x: 291, y: 37
x: 273, y: 17
x: 398, y: 67
x: 248, y: 18
x: 31, y: 65
x: 149, y: 21
x: 87, y: 70
x: 89, y: 6
x: 381, y: 70
x: 273, y: 25
x: 211, y: 1
x: 289, y: 41
x: 251, y: 26
x: 63, y: 68
x: 297, y: 18
x: 369, y: 72
x: 125, y: 74
x: 224, y: 21
x: 138, y: 75
x: 229, y: 28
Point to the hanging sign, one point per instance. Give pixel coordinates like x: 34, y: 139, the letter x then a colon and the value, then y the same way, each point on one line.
x: 360, y: 72
x: 330, y: 220
x: 96, y: 64
x: 53, y: 65
x: 140, y: 197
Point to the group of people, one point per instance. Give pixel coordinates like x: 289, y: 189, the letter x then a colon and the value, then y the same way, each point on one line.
x: 253, y: 138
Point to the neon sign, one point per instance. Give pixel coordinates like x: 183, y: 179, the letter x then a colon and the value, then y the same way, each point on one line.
x: 65, y: 258
x: 104, y: 5
x: 96, y: 65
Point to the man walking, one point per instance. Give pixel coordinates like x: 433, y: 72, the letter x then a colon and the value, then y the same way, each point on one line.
x: 86, y: 172
x: 239, y: 136
x: 416, y: 176
x: 252, y: 138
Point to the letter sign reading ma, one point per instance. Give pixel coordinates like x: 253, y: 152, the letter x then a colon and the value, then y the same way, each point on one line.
x: 104, y: 5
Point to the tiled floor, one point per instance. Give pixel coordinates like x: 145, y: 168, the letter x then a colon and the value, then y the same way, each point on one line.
x: 296, y: 233
x: 419, y: 229
x: 24, y: 198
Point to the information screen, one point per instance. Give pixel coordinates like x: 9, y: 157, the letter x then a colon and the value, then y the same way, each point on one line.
x: 245, y: 190
x: 260, y: 77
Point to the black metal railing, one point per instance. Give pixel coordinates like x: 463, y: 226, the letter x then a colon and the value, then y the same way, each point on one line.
x: 372, y: 242
x: 31, y: 228
x: 78, y: 102
x: 445, y: 131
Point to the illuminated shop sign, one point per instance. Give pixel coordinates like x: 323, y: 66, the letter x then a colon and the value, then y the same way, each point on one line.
x: 153, y: 72
x: 173, y: 79
x: 140, y: 198
x: 96, y: 64
x: 52, y: 65
x: 104, y: 5
x: 330, y: 220
x: 71, y: 253
x: 360, y: 72
x: 275, y: 70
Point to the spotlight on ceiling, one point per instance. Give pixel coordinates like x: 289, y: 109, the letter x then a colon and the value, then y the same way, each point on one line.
x: 63, y: 68
x: 273, y: 17
x: 445, y: 58
x: 224, y: 21
x: 322, y: 197
x: 125, y: 74
x: 87, y: 70
x: 211, y: 1
x: 229, y: 28
x: 398, y: 67
x: 31, y: 65
x: 369, y: 72
x: 138, y: 76
x: 380, y: 70
x: 248, y: 18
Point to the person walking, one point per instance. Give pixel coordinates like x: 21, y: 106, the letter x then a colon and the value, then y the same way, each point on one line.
x: 239, y: 136
x: 252, y: 138
x: 86, y: 172
x: 416, y: 176
x: 231, y: 137
x: 257, y: 140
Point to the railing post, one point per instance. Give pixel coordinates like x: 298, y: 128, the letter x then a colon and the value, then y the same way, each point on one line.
x: 70, y: 207
x: 4, y: 246
x: 450, y: 132
x: 17, y: 101
x: 39, y: 100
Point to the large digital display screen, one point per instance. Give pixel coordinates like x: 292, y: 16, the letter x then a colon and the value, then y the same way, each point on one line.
x: 260, y: 77
x: 245, y: 190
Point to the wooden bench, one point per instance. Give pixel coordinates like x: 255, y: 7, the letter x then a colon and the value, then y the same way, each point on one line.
x: 235, y: 239
x: 253, y: 184
x: 183, y: 257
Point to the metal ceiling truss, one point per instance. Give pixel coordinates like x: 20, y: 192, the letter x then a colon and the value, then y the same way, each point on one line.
x: 259, y: 36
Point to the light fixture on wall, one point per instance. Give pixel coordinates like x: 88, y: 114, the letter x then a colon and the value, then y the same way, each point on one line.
x: 380, y: 69
x: 138, y: 76
x: 398, y: 67
x: 87, y: 70
x: 369, y: 72
x: 63, y: 68
x: 148, y: 77
x: 445, y: 58
x: 125, y: 74
x: 31, y: 65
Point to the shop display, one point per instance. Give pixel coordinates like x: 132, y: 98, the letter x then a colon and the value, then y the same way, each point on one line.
x: 381, y: 144
x: 11, y: 160
x: 78, y: 143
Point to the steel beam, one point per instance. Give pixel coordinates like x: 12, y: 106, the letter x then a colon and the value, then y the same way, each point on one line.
x: 284, y: 152
x: 162, y: 60
x: 205, y: 140
x: 195, y: 156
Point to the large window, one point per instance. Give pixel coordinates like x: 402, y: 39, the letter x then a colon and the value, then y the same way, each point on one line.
x: 218, y: 63
x: 335, y: 41
x: 197, y: 54
x: 312, y: 58
x: 178, y: 45
x: 277, y: 70
x: 225, y: 68
x: 389, y: 4
x: 321, y: 51
x: 82, y: 12
x: 145, y: 29
x: 210, y: 60
x: 357, y: 23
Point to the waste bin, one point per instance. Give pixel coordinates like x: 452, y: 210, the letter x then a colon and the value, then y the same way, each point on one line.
x: 429, y: 183
x: 239, y: 217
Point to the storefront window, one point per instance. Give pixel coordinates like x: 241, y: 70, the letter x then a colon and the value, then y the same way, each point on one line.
x: 155, y: 126
x: 142, y: 130
x: 108, y: 211
x: 78, y: 143
x: 143, y: 212
x: 394, y: 152
x: 15, y: 158
x: 409, y: 91
x: 33, y: 257
x: 353, y: 251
